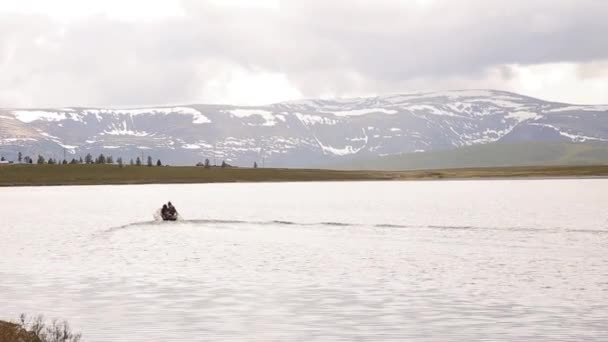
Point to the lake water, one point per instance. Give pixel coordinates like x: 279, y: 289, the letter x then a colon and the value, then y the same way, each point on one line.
x: 499, y: 260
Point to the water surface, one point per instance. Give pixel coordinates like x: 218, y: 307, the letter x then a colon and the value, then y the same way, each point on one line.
x: 506, y: 260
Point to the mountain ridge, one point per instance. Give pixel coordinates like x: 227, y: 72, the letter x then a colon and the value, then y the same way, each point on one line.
x: 303, y: 100
x: 302, y: 132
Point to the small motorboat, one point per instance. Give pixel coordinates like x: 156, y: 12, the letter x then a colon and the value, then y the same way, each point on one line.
x: 168, y: 212
x: 169, y: 217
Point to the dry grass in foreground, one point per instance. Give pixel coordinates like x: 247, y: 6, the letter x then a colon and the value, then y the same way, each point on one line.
x: 27, y: 175
x: 37, y: 330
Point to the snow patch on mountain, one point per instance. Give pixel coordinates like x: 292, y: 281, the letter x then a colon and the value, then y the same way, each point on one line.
x: 122, y: 129
x: 269, y: 118
x: 70, y: 148
x: 522, y: 116
x: 197, y: 116
x: 587, y: 108
x: 28, y: 116
x: 144, y: 111
x: 497, y: 102
x: 308, y: 119
x: 191, y: 146
x: 10, y: 141
x: 432, y: 110
x: 346, y: 150
x: 358, y: 112
x: 349, y: 149
x: 571, y: 136
x: 200, y: 119
x: 486, y: 136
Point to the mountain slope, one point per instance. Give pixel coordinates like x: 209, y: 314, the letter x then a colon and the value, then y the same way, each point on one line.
x: 302, y: 133
x: 489, y: 155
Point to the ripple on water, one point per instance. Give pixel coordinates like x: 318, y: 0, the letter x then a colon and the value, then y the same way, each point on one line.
x: 433, y: 261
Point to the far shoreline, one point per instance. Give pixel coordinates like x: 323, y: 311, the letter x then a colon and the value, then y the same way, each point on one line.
x: 19, y: 175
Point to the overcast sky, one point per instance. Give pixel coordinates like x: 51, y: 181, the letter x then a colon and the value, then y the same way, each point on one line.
x: 153, y: 52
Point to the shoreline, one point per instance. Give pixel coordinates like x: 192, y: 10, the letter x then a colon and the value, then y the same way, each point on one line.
x: 64, y: 175
x: 521, y: 178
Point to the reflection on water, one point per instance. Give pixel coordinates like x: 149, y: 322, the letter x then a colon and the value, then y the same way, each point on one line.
x: 394, y: 261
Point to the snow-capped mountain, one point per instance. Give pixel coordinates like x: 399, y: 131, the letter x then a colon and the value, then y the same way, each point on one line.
x: 300, y: 133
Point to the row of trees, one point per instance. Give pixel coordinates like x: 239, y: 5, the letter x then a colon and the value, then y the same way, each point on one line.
x: 207, y: 164
x: 103, y: 159
x: 88, y: 159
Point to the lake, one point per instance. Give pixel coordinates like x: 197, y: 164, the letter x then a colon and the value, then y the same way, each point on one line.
x: 492, y: 260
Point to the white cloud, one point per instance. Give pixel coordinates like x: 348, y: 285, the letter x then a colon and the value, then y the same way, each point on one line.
x: 560, y: 81
x: 66, y: 10
x: 236, y: 85
x: 141, y: 52
x: 268, y: 4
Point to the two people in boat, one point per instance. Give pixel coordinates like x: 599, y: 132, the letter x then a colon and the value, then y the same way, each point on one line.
x: 168, y: 212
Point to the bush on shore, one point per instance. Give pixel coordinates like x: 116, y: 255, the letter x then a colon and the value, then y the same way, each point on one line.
x: 37, y: 329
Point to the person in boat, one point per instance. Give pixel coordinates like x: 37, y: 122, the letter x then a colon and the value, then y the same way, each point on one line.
x: 171, y: 208
x: 164, y: 212
x: 170, y: 213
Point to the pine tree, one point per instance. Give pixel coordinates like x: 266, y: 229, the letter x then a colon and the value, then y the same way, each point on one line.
x: 110, y: 160
x: 19, y: 157
x: 73, y: 161
x: 255, y: 165
x: 138, y: 162
x: 101, y: 159
x: 119, y: 161
x: 51, y: 161
x: 2, y: 158
x: 224, y: 164
x: 149, y: 161
x: 158, y: 163
x: 64, y: 162
x: 80, y: 160
x: 131, y: 162
x: 207, y: 163
x: 88, y: 158
x: 41, y: 160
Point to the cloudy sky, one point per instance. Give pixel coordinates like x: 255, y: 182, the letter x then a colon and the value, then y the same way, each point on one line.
x: 151, y: 52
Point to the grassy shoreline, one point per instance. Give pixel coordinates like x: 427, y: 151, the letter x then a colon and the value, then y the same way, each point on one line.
x: 42, y: 175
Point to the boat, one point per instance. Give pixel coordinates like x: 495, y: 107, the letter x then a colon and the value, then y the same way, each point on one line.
x: 168, y: 213
x: 169, y: 217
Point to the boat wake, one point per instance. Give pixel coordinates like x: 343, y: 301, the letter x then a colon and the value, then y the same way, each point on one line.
x: 160, y: 222
x: 330, y: 224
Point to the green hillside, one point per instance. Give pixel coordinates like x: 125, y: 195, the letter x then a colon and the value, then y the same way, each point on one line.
x: 489, y: 155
